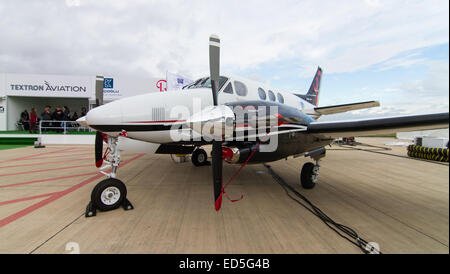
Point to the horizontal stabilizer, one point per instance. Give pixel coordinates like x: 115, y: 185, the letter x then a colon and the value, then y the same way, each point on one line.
x: 347, y: 107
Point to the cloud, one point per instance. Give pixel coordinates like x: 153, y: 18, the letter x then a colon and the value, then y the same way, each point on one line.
x: 73, y: 3
x: 428, y: 95
x: 402, y: 61
x: 149, y: 37
x: 435, y: 84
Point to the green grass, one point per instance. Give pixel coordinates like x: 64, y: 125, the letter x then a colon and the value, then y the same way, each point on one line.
x: 394, y: 135
x: 17, y: 140
x: 49, y: 132
x: 3, y: 147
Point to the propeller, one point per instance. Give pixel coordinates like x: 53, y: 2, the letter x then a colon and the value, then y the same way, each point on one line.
x: 99, y: 137
x: 98, y: 149
x: 216, y: 163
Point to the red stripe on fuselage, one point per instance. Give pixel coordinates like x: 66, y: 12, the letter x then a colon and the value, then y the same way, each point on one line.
x: 157, y: 122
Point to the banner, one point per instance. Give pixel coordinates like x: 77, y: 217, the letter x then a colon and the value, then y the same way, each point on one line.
x: 176, y: 81
x: 46, y: 85
x: 123, y: 86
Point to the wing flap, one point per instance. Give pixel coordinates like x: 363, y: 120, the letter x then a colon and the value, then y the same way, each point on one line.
x: 380, y: 125
x: 346, y: 107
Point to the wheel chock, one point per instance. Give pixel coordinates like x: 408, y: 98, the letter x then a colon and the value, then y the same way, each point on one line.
x: 91, y: 210
x: 126, y: 204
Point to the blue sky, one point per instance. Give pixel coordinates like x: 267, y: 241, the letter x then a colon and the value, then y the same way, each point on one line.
x: 386, y: 82
x: 392, y: 51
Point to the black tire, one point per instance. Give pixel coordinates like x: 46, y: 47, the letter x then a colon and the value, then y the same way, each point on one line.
x: 306, y: 176
x: 199, y: 157
x: 114, y: 185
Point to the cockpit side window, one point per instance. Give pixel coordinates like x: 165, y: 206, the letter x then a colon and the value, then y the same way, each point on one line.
x: 196, y: 82
x: 280, y: 98
x: 241, y: 88
x: 206, y: 83
x: 228, y: 89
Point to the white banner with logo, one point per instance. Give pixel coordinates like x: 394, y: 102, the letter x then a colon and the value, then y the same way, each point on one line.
x: 176, y: 81
x: 117, y: 87
x: 46, y: 85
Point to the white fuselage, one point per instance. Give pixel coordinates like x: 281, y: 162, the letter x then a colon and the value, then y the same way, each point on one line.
x: 176, y: 106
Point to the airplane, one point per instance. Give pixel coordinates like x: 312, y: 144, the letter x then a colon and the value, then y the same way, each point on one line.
x: 244, y: 121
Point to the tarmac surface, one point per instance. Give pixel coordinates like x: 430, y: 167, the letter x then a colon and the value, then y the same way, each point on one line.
x: 398, y: 202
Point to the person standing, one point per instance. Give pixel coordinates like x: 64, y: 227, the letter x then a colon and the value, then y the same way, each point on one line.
x: 46, y: 115
x: 74, y: 116
x: 25, y: 119
x: 58, y: 115
x: 33, y: 120
x: 66, y: 112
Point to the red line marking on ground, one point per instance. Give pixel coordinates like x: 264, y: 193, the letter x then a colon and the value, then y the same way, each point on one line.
x: 69, y: 155
x: 53, y: 179
x: 59, y: 156
x: 43, y: 170
x: 27, y: 198
x: 28, y: 210
x: 39, y: 154
x: 40, y: 163
x: 48, y: 179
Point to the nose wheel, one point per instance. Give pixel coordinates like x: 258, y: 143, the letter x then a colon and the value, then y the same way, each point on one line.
x: 108, y: 195
x: 111, y: 193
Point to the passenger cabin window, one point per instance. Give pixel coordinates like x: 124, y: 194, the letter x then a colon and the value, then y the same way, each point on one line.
x: 280, y: 98
x: 228, y: 89
x: 271, y: 95
x: 262, y: 94
x: 241, y: 88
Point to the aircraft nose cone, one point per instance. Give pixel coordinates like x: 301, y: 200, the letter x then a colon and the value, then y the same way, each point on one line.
x: 108, y: 114
x: 82, y: 121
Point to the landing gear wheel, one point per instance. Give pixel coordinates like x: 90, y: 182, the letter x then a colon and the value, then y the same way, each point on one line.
x: 109, y: 194
x: 309, y: 175
x: 199, y: 157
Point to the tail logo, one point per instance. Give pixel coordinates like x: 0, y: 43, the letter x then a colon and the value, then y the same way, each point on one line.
x: 316, y: 81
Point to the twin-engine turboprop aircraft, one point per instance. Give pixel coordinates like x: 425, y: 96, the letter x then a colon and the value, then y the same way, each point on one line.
x: 245, y: 121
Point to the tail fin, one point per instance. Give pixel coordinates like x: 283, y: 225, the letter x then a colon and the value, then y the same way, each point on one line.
x: 313, y: 93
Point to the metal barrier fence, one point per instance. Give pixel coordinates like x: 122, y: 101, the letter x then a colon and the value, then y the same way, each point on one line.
x: 61, y: 126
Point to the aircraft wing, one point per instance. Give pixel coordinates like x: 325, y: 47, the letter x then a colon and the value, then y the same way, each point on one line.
x: 379, y: 125
x: 346, y: 107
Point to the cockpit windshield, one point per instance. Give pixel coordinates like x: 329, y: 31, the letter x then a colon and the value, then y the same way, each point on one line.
x: 205, y: 83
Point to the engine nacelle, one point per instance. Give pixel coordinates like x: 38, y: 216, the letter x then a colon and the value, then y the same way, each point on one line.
x: 234, y: 155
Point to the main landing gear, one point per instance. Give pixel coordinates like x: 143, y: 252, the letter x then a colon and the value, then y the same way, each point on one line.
x: 199, y: 157
x: 310, y: 172
x: 111, y: 193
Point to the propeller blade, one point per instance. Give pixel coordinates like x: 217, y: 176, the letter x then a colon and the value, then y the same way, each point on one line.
x: 214, y: 65
x: 99, y: 90
x: 216, y: 162
x: 98, y: 136
x: 98, y: 149
x: 216, y: 165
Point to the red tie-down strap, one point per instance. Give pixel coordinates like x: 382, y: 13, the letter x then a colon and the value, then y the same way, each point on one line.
x: 107, y: 151
x: 236, y: 173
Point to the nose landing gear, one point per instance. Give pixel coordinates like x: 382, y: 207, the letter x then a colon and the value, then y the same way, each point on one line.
x: 310, y: 172
x: 110, y: 193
